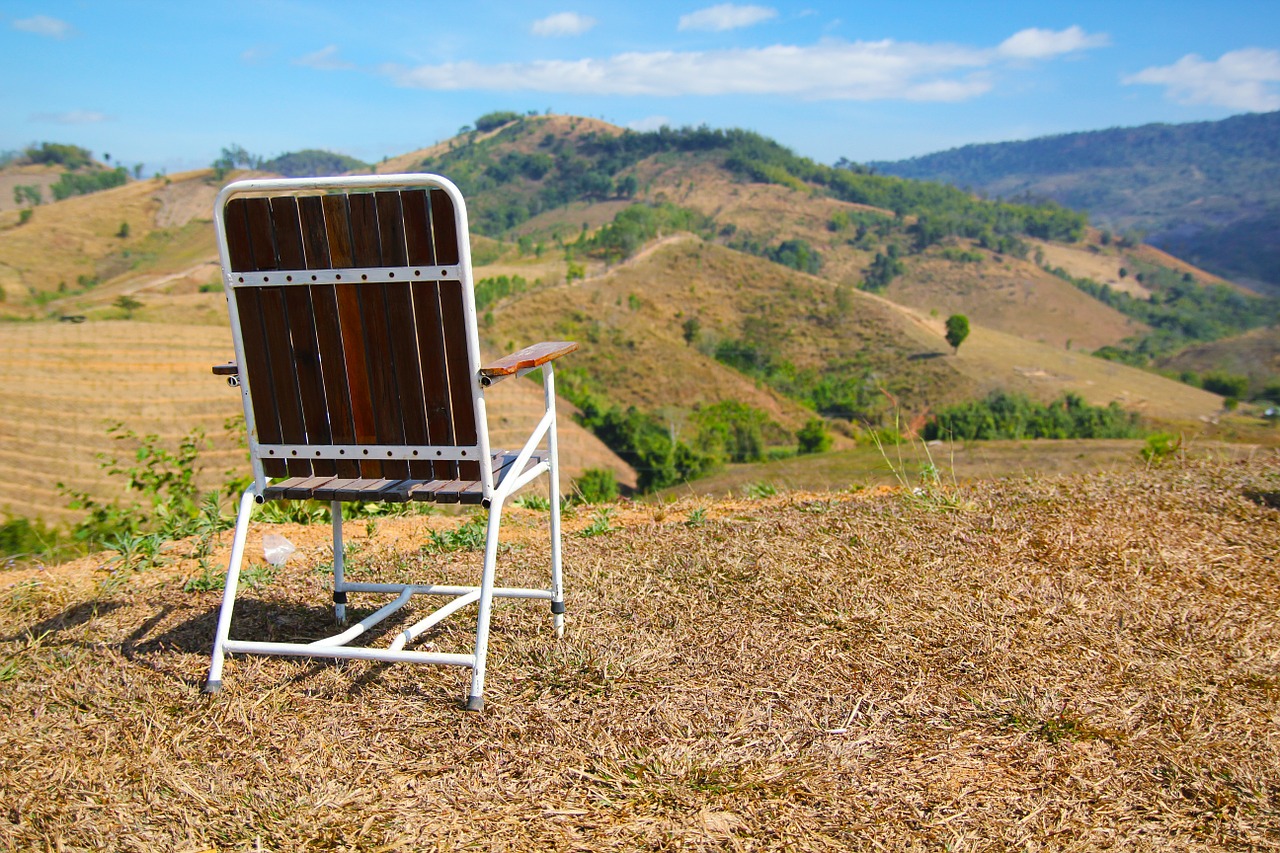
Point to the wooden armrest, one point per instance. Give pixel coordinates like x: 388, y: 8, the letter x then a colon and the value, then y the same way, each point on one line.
x: 528, y: 358
x: 228, y: 369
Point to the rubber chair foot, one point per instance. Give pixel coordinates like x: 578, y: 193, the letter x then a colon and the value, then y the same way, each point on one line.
x: 212, y: 687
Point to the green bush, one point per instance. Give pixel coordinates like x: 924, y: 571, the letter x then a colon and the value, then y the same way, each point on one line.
x: 57, y: 154
x: 813, y: 437
x: 595, y: 486
x: 1015, y: 416
x: 75, y: 183
x: 1225, y: 384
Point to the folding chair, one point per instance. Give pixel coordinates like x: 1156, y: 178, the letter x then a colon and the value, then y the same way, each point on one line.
x: 358, y: 360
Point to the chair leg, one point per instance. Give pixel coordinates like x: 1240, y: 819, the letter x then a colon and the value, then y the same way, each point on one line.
x: 339, y: 566
x: 475, y: 699
x: 214, y: 682
x: 553, y: 476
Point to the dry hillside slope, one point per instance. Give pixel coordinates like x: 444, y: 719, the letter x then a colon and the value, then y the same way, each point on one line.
x: 632, y: 323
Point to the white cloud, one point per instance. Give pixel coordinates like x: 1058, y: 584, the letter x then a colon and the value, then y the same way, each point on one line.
x: 725, y: 16
x: 828, y: 70
x: 563, y: 24
x: 649, y: 123
x: 1034, y: 43
x: 72, y: 117
x: 43, y: 25
x: 1242, y: 79
x: 325, y: 59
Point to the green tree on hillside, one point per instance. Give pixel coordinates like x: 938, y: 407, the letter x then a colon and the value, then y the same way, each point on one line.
x: 27, y: 194
x: 957, y: 330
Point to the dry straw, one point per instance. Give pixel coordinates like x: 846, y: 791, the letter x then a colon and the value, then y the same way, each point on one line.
x: 1082, y: 663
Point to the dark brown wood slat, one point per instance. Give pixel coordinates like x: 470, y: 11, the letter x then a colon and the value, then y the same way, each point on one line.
x: 403, y: 332
x: 427, y: 491
x: 444, y: 231
x: 460, y: 491
x: 338, y: 231
x: 275, y: 327
x: 315, y: 237
x: 235, y: 222
x: 284, y: 381
x: 420, y: 248
x: 324, y: 303
x: 302, y: 330
x: 366, y: 241
x: 366, y: 248
x: 408, y: 372
x: 266, y: 417
x: 435, y: 377
x: 391, y: 229
x: 277, y: 491
x: 459, y: 368
x: 375, y: 490
x: 330, y: 490
x: 261, y: 235
x: 444, y: 227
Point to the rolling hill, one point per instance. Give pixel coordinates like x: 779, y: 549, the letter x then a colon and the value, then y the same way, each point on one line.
x: 1209, y: 192
x: 699, y: 269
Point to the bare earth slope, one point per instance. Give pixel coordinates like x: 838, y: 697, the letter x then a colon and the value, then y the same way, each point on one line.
x: 1080, y: 663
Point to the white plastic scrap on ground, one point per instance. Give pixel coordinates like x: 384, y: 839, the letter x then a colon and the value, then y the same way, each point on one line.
x: 276, y: 549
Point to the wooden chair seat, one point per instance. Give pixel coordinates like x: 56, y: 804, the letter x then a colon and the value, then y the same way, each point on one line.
x: 395, y: 490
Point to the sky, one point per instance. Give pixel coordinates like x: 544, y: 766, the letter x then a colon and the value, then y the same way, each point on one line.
x: 169, y: 83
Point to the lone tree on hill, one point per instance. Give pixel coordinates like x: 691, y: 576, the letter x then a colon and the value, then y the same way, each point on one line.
x: 957, y: 330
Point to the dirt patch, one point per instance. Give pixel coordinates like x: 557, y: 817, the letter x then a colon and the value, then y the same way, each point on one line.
x: 186, y: 197
x: 1102, y: 267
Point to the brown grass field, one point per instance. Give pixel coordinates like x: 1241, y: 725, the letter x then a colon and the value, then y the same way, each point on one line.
x: 1054, y: 663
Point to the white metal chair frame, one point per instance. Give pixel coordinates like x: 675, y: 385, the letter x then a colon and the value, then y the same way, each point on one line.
x: 494, y: 488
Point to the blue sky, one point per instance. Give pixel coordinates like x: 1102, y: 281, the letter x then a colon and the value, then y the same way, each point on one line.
x: 168, y: 84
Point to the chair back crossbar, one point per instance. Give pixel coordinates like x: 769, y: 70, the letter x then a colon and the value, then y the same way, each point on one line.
x: 357, y: 357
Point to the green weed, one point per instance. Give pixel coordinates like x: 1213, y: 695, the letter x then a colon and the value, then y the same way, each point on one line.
x: 601, y: 524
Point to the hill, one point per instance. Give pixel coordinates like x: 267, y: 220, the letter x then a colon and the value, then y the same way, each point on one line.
x: 720, y: 285
x: 1254, y: 355
x: 1082, y: 661
x: 1209, y: 192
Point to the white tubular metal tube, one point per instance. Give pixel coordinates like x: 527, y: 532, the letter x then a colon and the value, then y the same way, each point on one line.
x: 515, y: 484
x: 220, y: 641
x: 305, y: 650
x: 475, y: 699
x: 435, y: 589
x: 339, y: 563
x: 408, y: 635
x: 553, y: 461
x: 367, y: 622
x: 523, y: 458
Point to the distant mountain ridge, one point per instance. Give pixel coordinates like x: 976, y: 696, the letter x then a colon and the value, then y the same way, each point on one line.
x: 1208, y: 192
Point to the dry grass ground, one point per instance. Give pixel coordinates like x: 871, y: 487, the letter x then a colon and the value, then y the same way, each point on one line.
x: 1075, y: 663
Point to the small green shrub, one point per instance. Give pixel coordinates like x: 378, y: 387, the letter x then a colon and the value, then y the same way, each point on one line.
x: 596, y: 485
x: 602, y: 523
x: 1161, y: 446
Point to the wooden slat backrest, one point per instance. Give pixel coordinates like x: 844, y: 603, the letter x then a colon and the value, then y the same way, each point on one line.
x: 376, y: 362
